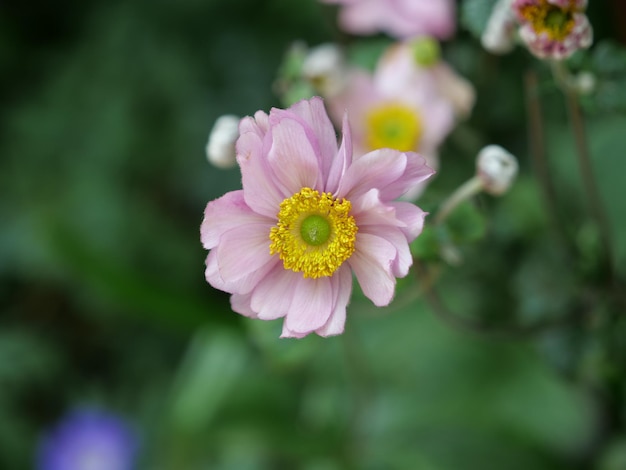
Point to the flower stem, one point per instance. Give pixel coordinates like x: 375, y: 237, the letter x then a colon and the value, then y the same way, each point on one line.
x: 463, y: 192
x: 584, y: 160
x: 536, y: 139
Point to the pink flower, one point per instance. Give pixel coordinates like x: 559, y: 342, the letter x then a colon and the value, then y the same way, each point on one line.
x: 398, y: 18
x: 308, y: 217
x: 400, y: 106
x: 553, y: 29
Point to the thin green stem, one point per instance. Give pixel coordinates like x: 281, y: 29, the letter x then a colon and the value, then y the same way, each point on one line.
x: 584, y: 160
x: 465, y: 191
x: 537, y: 148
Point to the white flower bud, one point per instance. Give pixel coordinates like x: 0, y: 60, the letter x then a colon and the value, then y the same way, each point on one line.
x: 499, y: 34
x: 585, y: 83
x: 496, y: 168
x: 324, y: 68
x: 220, y: 147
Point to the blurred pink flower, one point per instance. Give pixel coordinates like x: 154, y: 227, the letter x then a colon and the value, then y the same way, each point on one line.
x: 398, y: 18
x: 553, y: 29
x: 309, y: 216
x: 401, y: 106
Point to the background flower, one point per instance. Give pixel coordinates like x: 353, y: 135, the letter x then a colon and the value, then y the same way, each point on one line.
x: 88, y: 439
x: 553, y: 28
x: 399, y: 106
x: 398, y: 18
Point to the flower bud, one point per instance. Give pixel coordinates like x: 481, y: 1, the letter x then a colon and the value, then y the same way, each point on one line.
x: 499, y: 34
x: 585, y: 83
x: 324, y: 68
x: 496, y: 168
x: 220, y: 147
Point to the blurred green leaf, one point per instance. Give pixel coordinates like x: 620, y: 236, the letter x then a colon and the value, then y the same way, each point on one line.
x: 214, y: 363
x: 475, y: 13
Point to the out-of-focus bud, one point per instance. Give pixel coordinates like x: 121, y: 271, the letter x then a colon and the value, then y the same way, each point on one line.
x: 220, y: 148
x: 499, y: 34
x: 324, y: 68
x: 496, y: 168
x: 584, y: 83
x: 426, y: 51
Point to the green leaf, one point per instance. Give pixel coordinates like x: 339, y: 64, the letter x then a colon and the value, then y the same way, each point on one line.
x: 466, y: 224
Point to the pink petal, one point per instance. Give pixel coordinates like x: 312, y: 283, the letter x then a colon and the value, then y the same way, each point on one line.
x: 342, y: 288
x: 343, y: 160
x: 412, y: 216
x: 415, y: 172
x: 223, y: 214
x: 377, y: 169
x: 314, y: 114
x: 241, y: 304
x: 403, y: 259
x: 257, y: 125
x: 287, y: 333
x: 241, y: 285
x: 243, y: 250
x: 312, y: 305
x: 273, y: 296
x: 260, y: 192
x: 369, y: 210
x: 293, y: 158
x: 372, y: 264
x: 362, y: 17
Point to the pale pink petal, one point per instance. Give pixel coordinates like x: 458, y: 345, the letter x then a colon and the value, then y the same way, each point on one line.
x: 241, y: 304
x: 343, y: 159
x: 228, y: 212
x: 363, y: 17
x: 415, y: 172
x: 403, y: 259
x: 370, y: 210
x: 287, y: 333
x: 372, y: 264
x: 412, y: 216
x: 439, y: 115
x: 257, y: 125
x: 273, y: 295
x: 260, y: 192
x: 293, y: 158
x: 377, y: 169
x: 243, y: 250
x: 240, y: 285
x: 314, y: 114
x: 342, y: 289
x: 311, y: 306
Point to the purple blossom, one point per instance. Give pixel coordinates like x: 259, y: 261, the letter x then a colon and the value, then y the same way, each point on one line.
x: 88, y: 439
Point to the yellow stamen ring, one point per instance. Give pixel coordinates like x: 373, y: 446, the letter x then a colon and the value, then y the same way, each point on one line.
x: 315, y: 233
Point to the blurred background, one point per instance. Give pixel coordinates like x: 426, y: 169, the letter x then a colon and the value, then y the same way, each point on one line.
x: 106, y: 108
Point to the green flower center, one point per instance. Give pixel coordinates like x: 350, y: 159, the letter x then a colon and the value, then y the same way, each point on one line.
x: 550, y: 19
x: 315, y: 229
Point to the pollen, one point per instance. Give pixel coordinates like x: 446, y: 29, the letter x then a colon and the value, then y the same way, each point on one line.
x: 554, y: 21
x: 315, y: 233
x: 393, y: 126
